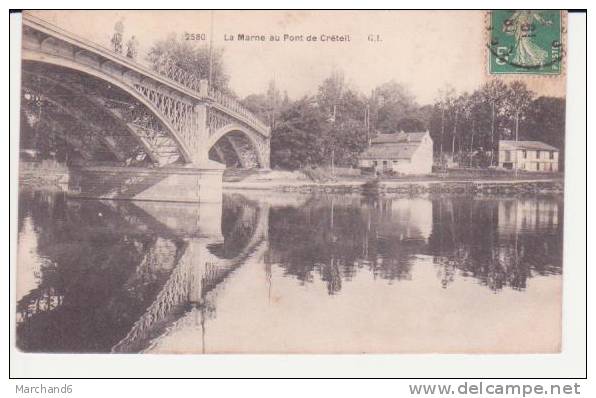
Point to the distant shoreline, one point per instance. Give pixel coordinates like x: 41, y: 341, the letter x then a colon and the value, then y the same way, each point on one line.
x: 525, y: 185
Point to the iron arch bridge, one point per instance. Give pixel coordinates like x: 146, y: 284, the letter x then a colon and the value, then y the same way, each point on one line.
x: 107, y: 108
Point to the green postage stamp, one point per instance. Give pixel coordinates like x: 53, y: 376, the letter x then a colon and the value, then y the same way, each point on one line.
x: 525, y: 42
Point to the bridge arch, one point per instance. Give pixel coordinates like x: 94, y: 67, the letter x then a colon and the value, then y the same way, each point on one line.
x: 185, y: 110
x: 66, y: 64
x: 72, y: 111
x: 258, y: 148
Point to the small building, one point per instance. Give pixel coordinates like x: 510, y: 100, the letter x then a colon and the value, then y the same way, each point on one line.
x: 404, y: 153
x: 528, y: 156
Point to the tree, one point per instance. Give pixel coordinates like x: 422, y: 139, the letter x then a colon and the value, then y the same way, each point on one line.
x: 474, y: 111
x: 345, y: 133
x: 274, y: 102
x: 410, y: 124
x: 330, y: 93
x: 518, y: 101
x: 545, y: 121
x: 268, y: 106
x: 344, y: 141
x: 191, y: 58
x: 259, y: 105
x: 352, y: 106
x: 458, y: 111
x: 444, y: 102
x: 297, y: 139
x: 494, y: 94
x: 391, y: 102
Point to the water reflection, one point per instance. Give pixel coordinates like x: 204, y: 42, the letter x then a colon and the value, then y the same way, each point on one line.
x: 499, y: 242
x: 101, y: 276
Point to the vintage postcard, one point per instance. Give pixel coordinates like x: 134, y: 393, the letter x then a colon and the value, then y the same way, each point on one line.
x: 304, y: 182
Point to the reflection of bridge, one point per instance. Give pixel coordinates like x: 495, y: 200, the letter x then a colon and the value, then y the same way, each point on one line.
x: 160, y: 261
x: 197, y: 272
x: 107, y: 107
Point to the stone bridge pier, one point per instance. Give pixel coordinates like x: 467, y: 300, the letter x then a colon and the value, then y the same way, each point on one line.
x: 130, y: 131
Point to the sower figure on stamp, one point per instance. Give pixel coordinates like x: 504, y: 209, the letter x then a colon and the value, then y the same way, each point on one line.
x: 521, y: 25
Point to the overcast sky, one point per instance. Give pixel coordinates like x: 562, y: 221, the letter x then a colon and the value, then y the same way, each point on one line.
x: 424, y: 50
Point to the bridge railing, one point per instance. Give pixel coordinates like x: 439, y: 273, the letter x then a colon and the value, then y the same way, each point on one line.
x: 168, y: 68
x: 164, y: 67
x: 235, y: 106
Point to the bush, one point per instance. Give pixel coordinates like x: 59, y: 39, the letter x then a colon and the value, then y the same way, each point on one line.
x: 317, y: 174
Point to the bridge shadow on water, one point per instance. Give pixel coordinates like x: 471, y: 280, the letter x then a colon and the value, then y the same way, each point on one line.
x: 118, y: 276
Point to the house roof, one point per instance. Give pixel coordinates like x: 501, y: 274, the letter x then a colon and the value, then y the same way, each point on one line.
x: 531, y: 145
x: 399, y: 137
x: 417, y: 136
x: 390, y: 151
x: 394, y: 146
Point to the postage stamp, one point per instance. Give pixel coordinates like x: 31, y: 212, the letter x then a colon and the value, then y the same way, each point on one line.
x: 525, y: 42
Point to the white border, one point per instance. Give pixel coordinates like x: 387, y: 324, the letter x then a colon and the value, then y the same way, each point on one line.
x: 568, y: 364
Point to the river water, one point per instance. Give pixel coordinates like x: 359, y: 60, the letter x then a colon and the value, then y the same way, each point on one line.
x: 289, y: 273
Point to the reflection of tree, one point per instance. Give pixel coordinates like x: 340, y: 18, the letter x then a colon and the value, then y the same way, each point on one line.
x: 498, y: 242
x: 334, y: 240
x: 479, y: 238
x: 239, y: 220
x: 393, y: 236
x: 331, y: 274
x: 104, y: 263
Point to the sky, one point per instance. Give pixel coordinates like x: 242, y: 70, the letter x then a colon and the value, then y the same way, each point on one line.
x: 423, y: 50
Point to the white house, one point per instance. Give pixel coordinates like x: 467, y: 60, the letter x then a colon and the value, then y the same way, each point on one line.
x: 528, y: 156
x: 404, y: 153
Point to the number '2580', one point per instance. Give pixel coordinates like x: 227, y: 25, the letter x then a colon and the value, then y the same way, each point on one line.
x: 195, y: 36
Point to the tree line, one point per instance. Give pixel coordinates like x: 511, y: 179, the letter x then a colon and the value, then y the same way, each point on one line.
x: 336, y: 123
x: 469, y: 126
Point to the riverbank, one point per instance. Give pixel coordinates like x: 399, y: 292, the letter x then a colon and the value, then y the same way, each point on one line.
x: 490, y: 183
x: 494, y: 183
